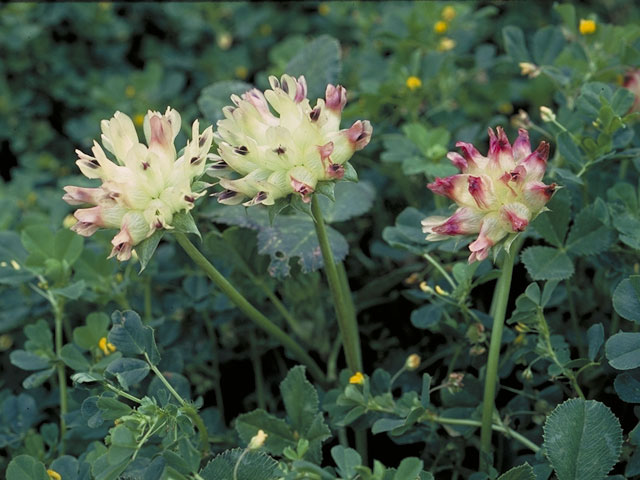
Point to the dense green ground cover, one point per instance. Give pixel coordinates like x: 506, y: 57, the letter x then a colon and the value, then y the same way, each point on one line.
x: 163, y: 377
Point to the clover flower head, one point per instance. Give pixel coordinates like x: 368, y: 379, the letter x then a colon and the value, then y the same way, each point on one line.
x: 145, y: 186
x: 273, y: 143
x: 497, y: 195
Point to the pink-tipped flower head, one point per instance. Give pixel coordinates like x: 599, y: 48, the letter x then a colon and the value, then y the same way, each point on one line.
x: 145, y: 186
x: 497, y: 195
x: 632, y: 82
x: 272, y: 144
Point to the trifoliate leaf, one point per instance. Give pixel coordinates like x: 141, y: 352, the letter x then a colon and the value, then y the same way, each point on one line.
x: 547, y: 263
x: 521, y: 472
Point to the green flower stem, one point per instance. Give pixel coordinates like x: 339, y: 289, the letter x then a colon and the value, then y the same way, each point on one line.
x: 188, y: 409
x: 499, y: 310
x: 340, y: 293
x: 62, y: 377
x: 122, y: 393
x: 241, y: 302
x: 439, y: 267
x: 498, y: 428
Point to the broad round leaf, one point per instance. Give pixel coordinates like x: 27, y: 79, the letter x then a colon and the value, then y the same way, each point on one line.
x: 626, y: 298
x: 582, y: 440
x: 623, y: 350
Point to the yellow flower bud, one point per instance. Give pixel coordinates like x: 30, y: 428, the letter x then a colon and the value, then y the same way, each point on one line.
x: 587, y: 27
x: 257, y: 440
x: 425, y: 287
x: 6, y: 342
x: 69, y: 221
x: 130, y: 91
x: 15, y: 265
x: 53, y: 475
x: 138, y: 119
x: 440, y: 291
x: 440, y: 27
x: 412, y: 362
x: 324, y: 9
x: 519, y: 339
x: 357, y: 378
x: 107, y: 347
x: 224, y: 41
x: 547, y: 114
x: 446, y: 44
x: 241, y: 72
x: 448, y: 13
x: 413, y: 83
x: 529, y: 69
x: 521, y: 328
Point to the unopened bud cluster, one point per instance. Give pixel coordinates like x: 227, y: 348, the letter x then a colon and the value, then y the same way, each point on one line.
x: 272, y: 144
x: 146, y: 186
x: 497, y: 195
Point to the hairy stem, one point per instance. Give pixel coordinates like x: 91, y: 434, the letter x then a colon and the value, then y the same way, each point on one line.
x: 243, y: 304
x: 188, y: 409
x: 499, y: 310
x: 340, y: 293
x: 62, y: 378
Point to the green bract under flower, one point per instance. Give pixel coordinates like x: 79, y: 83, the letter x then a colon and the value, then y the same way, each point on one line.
x: 146, y: 186
x: 266, y: 156
x: 497, y: 195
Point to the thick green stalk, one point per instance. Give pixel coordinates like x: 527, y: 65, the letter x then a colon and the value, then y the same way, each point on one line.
x: 340, y: 293
x: 62, y: 378
x: 499, y: 310
x: 245, y: 307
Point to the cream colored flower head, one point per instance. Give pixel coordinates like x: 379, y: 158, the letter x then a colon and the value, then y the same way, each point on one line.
x: 145, y: 186
x: 497, y: 195
x: 273, y: 143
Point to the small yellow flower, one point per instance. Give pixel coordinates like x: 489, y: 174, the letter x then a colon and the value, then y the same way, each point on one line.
x: 448, y: 13
x: 446, y: 44
x: 587, y: 27
x: 257, y: 440
x: 412, y: 362
x: 106, y: 347
x: 357, y: 378
x: 15, y: 265
x: 519, y: 339
x: 138, y: 119
x: 440, y: 27
x: 130, y: 91
x: 69, y: 221
x: 521, y: 328
x: 241, y: 72
x: 53, y: 475
x: 324, y: 9
x: 413, y: 82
